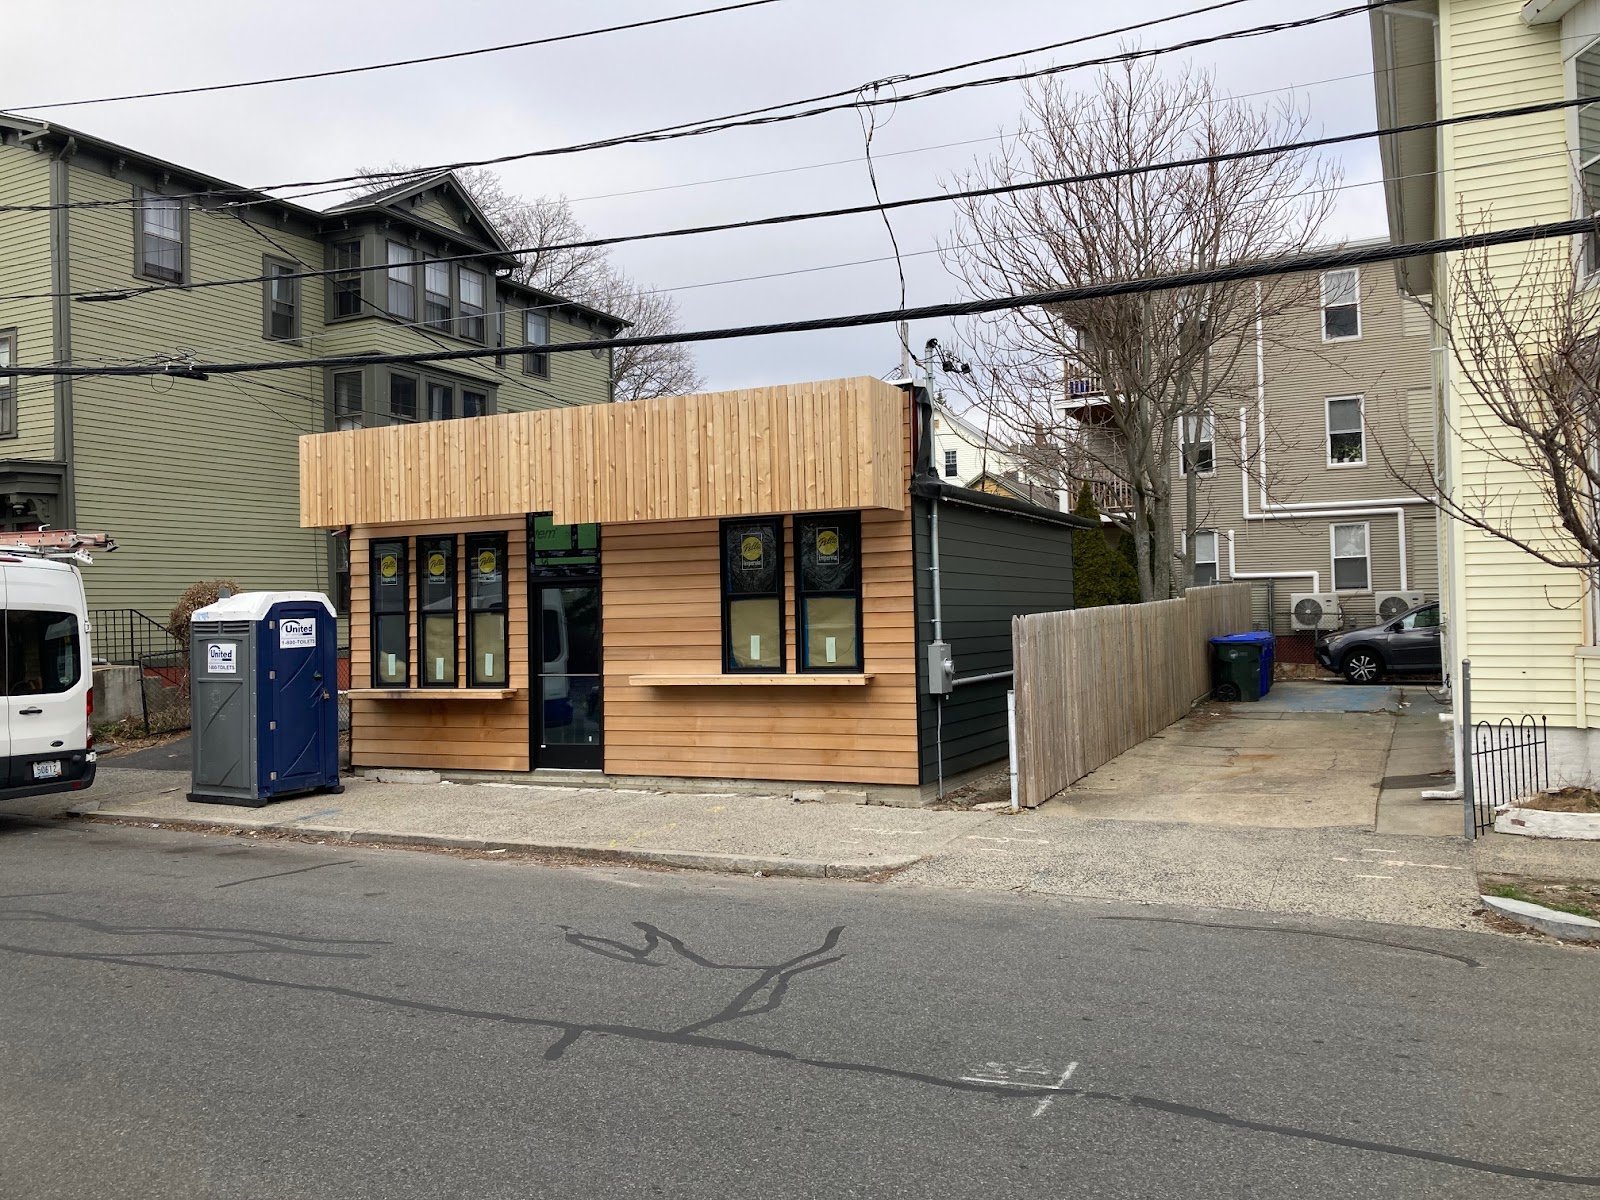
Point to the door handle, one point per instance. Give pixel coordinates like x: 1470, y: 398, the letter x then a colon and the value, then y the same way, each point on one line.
x: 29, y: 712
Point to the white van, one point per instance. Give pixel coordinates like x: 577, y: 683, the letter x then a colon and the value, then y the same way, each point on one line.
x: 47, y: 745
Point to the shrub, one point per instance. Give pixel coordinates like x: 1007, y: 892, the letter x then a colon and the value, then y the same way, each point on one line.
x: 1100, y: 573
x: 195, y: 596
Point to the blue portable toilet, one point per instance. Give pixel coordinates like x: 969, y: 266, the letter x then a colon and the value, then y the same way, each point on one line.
x: 263, y: 690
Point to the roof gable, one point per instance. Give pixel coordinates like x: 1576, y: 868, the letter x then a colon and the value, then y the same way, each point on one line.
x: 440, y: 200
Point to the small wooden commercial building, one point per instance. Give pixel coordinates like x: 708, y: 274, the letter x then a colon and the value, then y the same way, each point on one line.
x: 742, y: 585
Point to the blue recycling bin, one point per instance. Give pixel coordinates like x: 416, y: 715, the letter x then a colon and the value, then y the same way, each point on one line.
x: 263, y: 688
x: 1266, y: 648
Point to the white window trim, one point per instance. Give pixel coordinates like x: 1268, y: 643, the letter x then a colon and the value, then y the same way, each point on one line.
x: 1322, y: 312
x: 1215, y: 561
x: 1589, y: 275
x: 1208, y: 420
x: 948, y: 456
x: 1334, y: 556
x: 1327, y: 425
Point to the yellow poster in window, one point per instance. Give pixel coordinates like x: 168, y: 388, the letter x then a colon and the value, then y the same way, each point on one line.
x: 436, y: 564
x: 486, y: 562
x: 389, y: 566
x: 751, y: 549
x: 828, y: 543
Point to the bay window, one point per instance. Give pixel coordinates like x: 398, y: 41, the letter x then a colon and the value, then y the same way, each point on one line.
x: 402, y: 296
x: 470, y: 285
x: 436, y: 295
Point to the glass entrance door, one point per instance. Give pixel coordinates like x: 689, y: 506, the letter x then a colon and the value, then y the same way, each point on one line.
x: 566, y: 726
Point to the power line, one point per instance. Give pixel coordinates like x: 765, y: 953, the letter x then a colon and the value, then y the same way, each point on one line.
x: 384, y: 66
x: 1243, y: 272
x: 769, y: 115
x: 862, y: 209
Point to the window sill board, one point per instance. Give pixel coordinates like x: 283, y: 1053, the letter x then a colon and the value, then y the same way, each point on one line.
x: 752, y: 680
x: 419, y: 693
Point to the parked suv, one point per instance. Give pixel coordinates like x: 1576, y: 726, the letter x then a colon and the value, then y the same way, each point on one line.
x: 1408, y: 645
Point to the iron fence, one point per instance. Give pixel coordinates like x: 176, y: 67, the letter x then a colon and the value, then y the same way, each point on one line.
x: 126, y: 635
x: 1502, y: 761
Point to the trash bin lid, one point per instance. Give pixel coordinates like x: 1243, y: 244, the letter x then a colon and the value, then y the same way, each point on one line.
x: 253, y: 606
x: 1258, y: 637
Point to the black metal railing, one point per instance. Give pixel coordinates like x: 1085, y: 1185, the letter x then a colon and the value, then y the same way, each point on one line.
x: 1509, y: 759
x: 126, y: 635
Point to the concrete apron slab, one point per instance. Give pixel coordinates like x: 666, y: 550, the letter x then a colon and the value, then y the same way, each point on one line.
x: 739, y: 834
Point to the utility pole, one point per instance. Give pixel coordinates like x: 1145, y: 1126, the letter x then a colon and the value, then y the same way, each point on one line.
x: 904, y: 330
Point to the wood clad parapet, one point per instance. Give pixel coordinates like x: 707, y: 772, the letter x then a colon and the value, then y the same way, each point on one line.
x: 810, y: 447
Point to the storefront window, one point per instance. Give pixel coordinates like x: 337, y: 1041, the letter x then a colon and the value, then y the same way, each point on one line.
x: 436, y: 610
x: 390, y: 615
x: 752, y: 595
x: 486, y: 609
x: 828, y: 591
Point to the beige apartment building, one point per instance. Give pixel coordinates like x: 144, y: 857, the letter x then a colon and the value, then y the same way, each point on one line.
x: 1313, y: 474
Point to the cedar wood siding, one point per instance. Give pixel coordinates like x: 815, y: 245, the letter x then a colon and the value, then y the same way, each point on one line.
x: 992, y: 567
x: 1518, y: 620
x: 25, y: 268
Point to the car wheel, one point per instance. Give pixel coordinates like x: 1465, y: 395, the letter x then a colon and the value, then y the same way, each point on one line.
x: 1362, y: 666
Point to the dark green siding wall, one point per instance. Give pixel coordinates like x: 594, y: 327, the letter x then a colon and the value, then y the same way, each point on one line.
x: 993, y: 566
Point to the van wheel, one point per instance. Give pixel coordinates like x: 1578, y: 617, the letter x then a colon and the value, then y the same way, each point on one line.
x: 1362, y: 666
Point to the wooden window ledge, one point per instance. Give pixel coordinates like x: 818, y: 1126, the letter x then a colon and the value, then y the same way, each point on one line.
x: 751, y: 680
x: 483, y: 693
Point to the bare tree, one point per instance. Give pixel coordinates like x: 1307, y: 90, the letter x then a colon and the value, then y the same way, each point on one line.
x: 588, y: 276
x: 1172, y: 363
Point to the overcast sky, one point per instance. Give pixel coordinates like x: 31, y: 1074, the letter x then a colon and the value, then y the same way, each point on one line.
x: 621, y: 82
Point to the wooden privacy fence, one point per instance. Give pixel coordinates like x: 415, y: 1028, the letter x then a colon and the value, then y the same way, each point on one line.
x: 1094, y: 682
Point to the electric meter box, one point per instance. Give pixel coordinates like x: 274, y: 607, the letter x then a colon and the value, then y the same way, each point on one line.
x: 263, y: 693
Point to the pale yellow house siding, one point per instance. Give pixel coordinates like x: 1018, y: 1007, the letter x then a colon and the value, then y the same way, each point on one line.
x: 1518, y: 620
x: 25, y: 270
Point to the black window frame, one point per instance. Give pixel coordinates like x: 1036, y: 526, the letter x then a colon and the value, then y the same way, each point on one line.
x: 403, y: 273
x: 142, y: 267
x: 8, y: 383
x: 427, y: 547
x: 476, y: 543
x: 416, y: 383
x: 775, y: 524
x: 345, y: 297
x: 272, y: 267
x: 536, y: 364
x: 375, y: 549
x: 809, y: 521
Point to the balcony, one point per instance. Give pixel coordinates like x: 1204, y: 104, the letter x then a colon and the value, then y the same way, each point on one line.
x: 1111, y: 495
x: 1082, y: 387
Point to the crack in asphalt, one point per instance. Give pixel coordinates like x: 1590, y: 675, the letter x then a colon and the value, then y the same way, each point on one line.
x: 1317, y: 933
x: 690, y: 1036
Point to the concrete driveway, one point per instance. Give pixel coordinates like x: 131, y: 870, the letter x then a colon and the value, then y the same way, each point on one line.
x: 1310, y: 755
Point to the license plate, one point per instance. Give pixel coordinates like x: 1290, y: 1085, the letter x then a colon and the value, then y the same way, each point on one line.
x: 47, y: 770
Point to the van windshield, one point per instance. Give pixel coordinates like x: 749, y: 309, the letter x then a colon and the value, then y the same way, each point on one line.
x: 41, y: 652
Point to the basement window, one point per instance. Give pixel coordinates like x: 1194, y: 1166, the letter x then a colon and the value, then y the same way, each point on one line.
x: 828, y: 591
x: 752, y: 596
x: 391, y: 620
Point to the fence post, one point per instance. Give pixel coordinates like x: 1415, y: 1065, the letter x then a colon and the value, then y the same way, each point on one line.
x: 1011, y: 742
x: 1469, y: 802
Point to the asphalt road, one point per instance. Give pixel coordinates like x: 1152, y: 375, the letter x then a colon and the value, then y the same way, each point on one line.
x: 190, y: 1016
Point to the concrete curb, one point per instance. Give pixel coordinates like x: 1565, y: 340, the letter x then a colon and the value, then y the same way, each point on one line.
x: 688, y: 860
x: 1566, y: 927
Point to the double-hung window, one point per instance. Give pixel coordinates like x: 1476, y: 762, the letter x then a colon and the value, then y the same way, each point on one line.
x: 487, y: 604
x: 436, y: 611
x: 474, y: 404
x: 162, y: 222
x: 441, y: 402
x: 436, y: 295
x: 401, y: 300
x: 1341, y: 305
x: 828, y: 591
x: 280, y: 300
x: 536, y: 332
x: 752, y: 595
x: 1199, y: 444
x: 471, y: 323
x: 347, y: 285
x: 8, y: 384
x: 1587, y: 65
x: 1205, y: 557
x: 391, y: 615
x: 1347, y: 442
x: 1352, y: 568
x: 402, y: 397
x: 348, y: 402
x: 951, y: 464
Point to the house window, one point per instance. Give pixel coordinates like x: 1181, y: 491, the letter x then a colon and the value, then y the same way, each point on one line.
x: 950, y: 467
x: 280, y: 298
x: 1199, y: 444
x: 347, y: 287
x: 8, y: 384
x: 402, y: 398
x: 471, y: 323
x: 486, y: 608
x: 347, y: 401
x: 1205, y: 557
x: 752, y: 595
x: 1346, y: 438
x: 474, y: 404
x: 828, y: 591
x: 1341, y: 305
x: 436, y: 611
x: 391, y: 620
x: 536, y: 332
x: 401, y: 300
x: 436, y: 295
x: 161, y: 229
x: 1351, y: 567
x: 441, y: 402
x: 1588, y: 150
